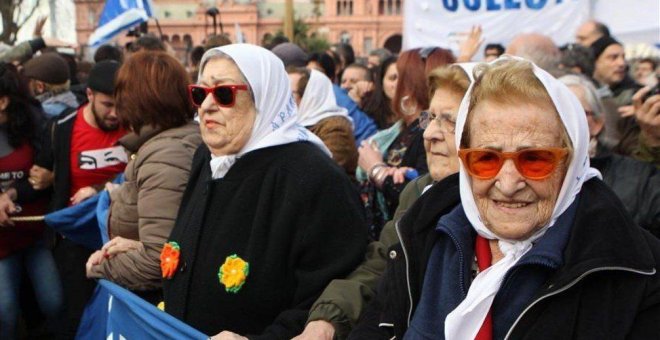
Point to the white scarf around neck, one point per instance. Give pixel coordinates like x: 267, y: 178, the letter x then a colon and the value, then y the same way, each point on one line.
x: 276, y: 119
x: 466, y: 319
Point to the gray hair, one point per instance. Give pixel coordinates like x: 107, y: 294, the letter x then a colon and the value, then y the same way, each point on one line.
x: 590, y: 93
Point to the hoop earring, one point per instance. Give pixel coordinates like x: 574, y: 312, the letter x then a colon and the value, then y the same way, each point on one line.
x: 407, y: 111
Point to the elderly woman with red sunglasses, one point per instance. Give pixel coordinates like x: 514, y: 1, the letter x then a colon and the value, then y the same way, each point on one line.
x: 267, y: 219
x: 539, y: 247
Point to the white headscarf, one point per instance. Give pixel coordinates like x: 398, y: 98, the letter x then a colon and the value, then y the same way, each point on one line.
x: 319, y: 101
x: 275, y: 122
x: 465, y: 321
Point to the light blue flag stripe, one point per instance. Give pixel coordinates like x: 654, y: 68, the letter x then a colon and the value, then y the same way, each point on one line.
x: 119, y: 15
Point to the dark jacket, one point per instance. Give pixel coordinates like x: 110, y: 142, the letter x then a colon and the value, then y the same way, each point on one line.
x: 343, y: 300
x: 608, y: 286
x: 291, y: 213
x: 55, y: 156
x: 400, y: 287
x: 628, y: 128
x: 636, y: 183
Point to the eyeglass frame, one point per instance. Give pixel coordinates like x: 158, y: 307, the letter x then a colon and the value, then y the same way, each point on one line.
x: 233, y: 87
x: 426, y: 117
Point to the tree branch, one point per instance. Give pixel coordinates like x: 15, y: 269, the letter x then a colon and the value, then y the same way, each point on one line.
x: 34, y: 9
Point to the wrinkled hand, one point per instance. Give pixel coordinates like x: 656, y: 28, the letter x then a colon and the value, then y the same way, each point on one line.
x: 647, y: 114
x: 94, y: 260
x: 399, y: 174
x: 82, y: 194
x: 54, y: 42
x: 359, y: 90
x: 7, y: 207
x: 317, y: 330
x: 368, y: 156
x: 227, y: 335
x: 469, y: 47
x: 120, y: 245
x: 39, y: 26
x: 40, y: 178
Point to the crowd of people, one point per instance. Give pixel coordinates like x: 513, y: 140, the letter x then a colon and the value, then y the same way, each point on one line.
x: 271, y: 193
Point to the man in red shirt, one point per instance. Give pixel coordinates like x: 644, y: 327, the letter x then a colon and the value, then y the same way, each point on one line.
x: 81, y: 157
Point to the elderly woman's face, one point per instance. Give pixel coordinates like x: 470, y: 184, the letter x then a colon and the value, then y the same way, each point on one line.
x: 595, y: 124
x: 439, y: 142
x: 225, y: 130
x: 510, y: 205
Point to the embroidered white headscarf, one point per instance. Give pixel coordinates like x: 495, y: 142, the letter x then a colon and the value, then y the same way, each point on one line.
x: 465, y: 321
x: 276, y: 119
x: 319, y: 101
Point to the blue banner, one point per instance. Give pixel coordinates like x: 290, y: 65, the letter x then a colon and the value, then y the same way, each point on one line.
x: 85, y: 223
x: 115, y: 313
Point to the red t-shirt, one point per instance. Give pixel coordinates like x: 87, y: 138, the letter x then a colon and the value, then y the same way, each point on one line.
x: 14, y: 167
x: 95, y: 155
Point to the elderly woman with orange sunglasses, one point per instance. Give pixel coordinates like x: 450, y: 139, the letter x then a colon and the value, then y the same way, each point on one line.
x: 539, y: 247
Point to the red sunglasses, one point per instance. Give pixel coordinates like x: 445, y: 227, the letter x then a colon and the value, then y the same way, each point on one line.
x: 224, y: 95
x: 535, y: 164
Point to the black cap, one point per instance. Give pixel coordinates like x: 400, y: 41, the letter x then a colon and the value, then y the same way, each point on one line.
x: 102, y: 76
x: 599, y: 46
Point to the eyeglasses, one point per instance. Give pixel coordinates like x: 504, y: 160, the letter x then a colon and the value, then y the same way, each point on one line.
x: 224, y: 95
x: 535, y: 164
x: 444, y: 121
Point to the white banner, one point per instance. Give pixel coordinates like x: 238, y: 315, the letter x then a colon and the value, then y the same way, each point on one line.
x: 630, y: 21
x: 441, y: 22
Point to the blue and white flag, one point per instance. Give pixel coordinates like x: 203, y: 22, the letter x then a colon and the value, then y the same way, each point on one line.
x: 115, y: 313
x: 119, y: 15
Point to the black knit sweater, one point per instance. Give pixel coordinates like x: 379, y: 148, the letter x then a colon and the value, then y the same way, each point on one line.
x: 288, y: 211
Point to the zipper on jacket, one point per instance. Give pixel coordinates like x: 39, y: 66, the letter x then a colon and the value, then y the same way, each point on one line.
x: 461, y: 263
x: 405, y: 257
x: 571, y: 284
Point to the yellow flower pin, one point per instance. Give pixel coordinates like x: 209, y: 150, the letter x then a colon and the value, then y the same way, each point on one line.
x: 233, y: 273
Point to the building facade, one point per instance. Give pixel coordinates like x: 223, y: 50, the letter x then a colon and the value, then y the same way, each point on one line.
x: 365, y: 24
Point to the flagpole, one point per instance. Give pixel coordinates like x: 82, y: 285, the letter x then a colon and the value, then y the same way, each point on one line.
x: 288, y: 20
x: 160, y: 31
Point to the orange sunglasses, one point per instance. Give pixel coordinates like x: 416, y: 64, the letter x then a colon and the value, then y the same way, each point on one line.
x: 535, y: 164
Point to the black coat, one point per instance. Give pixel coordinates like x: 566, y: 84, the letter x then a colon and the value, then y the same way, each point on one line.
x: 607, y: 288
x: 291, y: 213
x: 401, y: 286
x: 56, y: 156
x: 636, y: 183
